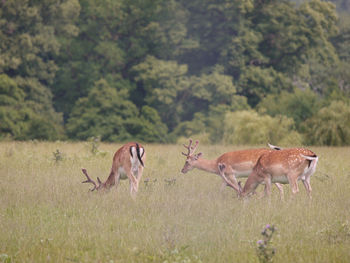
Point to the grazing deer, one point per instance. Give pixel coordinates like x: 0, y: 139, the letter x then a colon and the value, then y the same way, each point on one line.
x: 286, y: 167
x: 229, y: 166
x: 128, y: 163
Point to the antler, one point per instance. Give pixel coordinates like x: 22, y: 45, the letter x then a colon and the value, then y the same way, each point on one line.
x: 89, y: 180
x: 191, y: 149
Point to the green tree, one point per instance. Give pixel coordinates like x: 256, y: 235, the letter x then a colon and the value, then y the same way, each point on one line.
x: 263, y: 45
x: 17, y: 120
x: 256, y: 83
x: 337, y: 79
x: 215, y: 88
x: 342, y: 5
x: 178, y: 97
x: 149, y: 127
x: 29, y: 37
x: 275, y: 42
x: 164, y: 83
x: 12, y: 115
x: 104, y: 112
x: 211, y: 28
x: 114, y: 36
x: 108, y: 113
x: 298, y: 105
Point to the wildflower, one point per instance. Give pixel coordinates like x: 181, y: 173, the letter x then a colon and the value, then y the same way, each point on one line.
x: 264, y: 250
x: 260, y: 242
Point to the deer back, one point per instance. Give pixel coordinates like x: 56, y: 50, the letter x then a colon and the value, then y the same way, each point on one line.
x: 242, y: 159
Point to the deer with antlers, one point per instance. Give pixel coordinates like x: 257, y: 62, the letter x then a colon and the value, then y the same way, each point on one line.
x: 286, y: 166
x: 128, y: 163
x: 230, y: 165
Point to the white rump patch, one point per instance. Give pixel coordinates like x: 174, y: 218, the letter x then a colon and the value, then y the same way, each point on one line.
x: 135, y: 163
x: 308, y: 171
x: 141, y: 151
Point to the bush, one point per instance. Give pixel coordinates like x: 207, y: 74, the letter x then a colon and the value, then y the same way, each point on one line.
x: 330, y: 125
x: 299, y: 105
x: 248, y: 127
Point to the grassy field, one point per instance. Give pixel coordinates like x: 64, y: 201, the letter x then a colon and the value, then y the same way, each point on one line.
x: 47, y: 215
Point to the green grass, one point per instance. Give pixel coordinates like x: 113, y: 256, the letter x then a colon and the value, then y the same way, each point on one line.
x: 47, y: 215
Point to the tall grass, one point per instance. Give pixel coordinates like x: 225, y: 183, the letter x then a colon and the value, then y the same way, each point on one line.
x: 47, y: 215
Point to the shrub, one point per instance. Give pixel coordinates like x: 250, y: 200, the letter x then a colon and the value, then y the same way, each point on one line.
x: 299, y: 105
x: 248, y: 127
x: 330, y: 125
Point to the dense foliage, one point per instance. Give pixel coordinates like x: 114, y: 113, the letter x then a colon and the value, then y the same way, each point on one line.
x: 232, y: 71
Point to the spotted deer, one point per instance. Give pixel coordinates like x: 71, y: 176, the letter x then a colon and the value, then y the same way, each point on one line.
x: 128, y: 163
x: 286, y: 166
x: 230, y: 165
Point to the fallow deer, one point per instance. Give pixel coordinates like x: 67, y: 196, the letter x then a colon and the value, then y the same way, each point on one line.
x: 286, y: 167
x: 128, y: 163
x: 233, y: 165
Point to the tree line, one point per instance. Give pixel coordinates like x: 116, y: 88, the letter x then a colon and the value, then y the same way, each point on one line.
x: 224, y: 71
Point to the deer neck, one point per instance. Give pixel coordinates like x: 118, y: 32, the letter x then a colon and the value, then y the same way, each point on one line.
x: 207, y: 165
x: 110, y: 181
x: 250, y: 185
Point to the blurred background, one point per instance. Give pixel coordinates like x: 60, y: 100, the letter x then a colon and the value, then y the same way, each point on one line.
x: 158, y: 71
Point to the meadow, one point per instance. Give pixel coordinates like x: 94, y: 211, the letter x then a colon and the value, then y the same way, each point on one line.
x: 48, y: 215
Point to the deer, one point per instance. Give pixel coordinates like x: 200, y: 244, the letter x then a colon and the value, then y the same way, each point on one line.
x: 286, y: 166
x: 230, y: 165
x: 128, y: 163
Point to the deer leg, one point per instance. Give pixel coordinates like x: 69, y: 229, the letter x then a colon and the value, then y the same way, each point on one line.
x: 133, y: 183
x: 292, y: 179
x: 308, y: 183
x: 233, y: 182
x: 138, y: 176
x: 222, y: 170
x: 139, y: 173
x: 307, y: 186
x: 267, y: 181
x: 228, y: 175
x: 280, y: 189
x: 117, y: 179
x: 133, y: 188
x: 259, y: 195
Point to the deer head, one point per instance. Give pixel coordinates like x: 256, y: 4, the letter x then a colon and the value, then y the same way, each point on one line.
x: 191, y: 157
